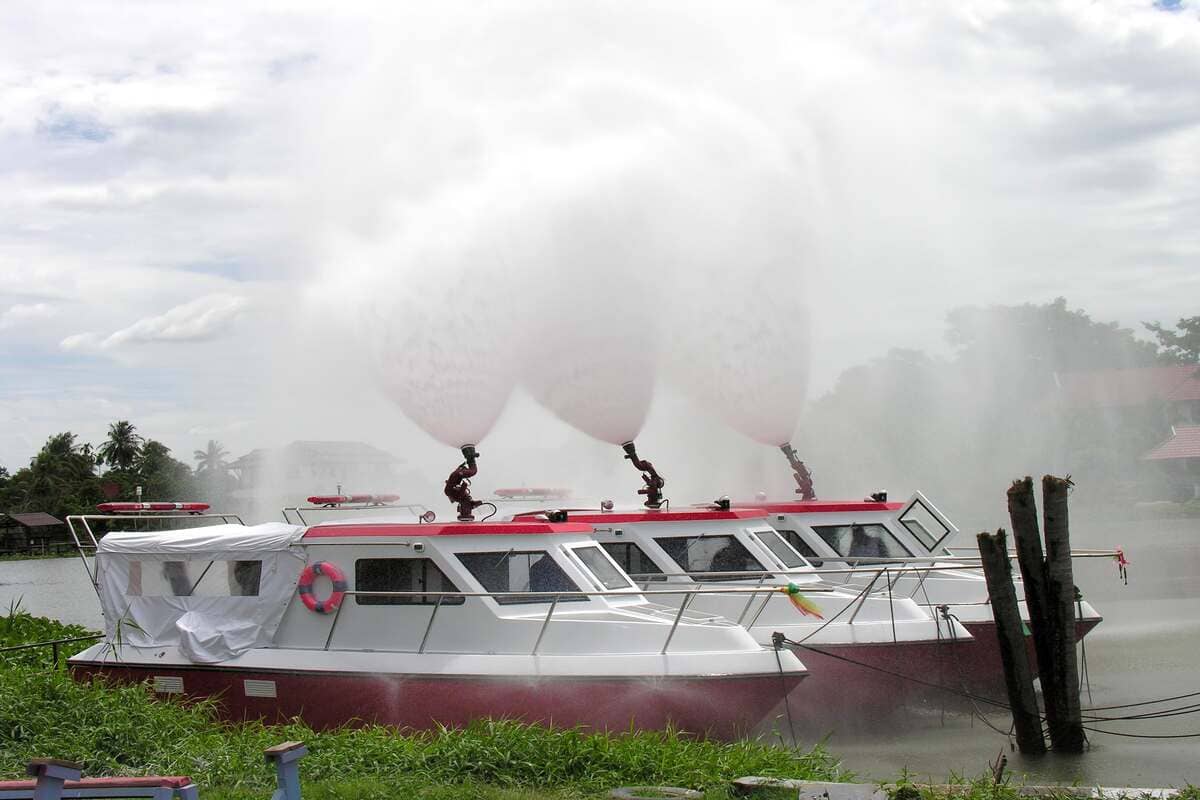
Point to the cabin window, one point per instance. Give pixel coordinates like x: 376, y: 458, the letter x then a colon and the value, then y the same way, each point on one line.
x: 520, y: 571
x: 599, y: 565
x: 924, y: 525
x: 781, y: 549
x: 634, y: 561
x: 710, y: 554
x: 871, y: 541
x: 194, y: 578
x: 402, y: 575
x: 803, y: 547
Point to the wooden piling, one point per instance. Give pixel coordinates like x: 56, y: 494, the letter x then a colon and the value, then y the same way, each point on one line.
x: 1066, y: 725
x: 1022, y: 512
x: 1018, y: 677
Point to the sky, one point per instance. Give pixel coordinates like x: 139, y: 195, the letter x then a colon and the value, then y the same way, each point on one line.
x: 200, y: 205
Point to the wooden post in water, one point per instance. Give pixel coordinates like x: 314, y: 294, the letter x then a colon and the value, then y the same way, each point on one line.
x: 1066, y: 724
x: 1018, y: 677
x: 1022, y: 512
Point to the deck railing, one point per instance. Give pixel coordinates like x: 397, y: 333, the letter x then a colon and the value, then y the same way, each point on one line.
x: 80, y: 526
x: 554, y: 598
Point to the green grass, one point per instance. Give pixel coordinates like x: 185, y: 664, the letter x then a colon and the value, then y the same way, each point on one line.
x: 126, y: 730
x: 35, y: 556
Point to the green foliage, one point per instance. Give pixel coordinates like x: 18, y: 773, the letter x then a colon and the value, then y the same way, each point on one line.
x: 960, y: 427
x: 61, y: 479
x: 125, y: 730
x: 122, y: 447
x: 19, y: 627
x: 1181, y: 346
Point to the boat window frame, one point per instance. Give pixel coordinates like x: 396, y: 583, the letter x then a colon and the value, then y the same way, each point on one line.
x: 173, y: 570
x: 932, y: 512
x: 855, y: 560
x: 520, y: 598
x: 590, y: 574
x: 657, y: 577
x: 732, y: 536
x: 758, y: 535
x: 410, y: 600
x: 816, y: 560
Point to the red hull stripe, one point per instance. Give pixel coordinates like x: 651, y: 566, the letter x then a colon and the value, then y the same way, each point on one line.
x: 723, y: 706
x: 597, y: 517
x: 446, y: 529
x: 825, y: 506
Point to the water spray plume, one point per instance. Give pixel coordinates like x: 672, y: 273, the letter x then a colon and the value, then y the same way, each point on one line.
x: 654, y: 482
x: 458, y: 485
x: 804, y: 481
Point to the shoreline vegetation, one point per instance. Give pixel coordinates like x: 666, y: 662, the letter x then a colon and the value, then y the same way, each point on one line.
x: 126, y: 730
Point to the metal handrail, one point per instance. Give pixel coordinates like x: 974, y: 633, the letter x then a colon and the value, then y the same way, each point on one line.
x: 554, y: 597
x: 52, y: 643
x: 297, y: 510
x: 85, y: 521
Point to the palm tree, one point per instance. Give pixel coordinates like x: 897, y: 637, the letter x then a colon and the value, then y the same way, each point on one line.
x: 211, y: 459
x: 122, y: 447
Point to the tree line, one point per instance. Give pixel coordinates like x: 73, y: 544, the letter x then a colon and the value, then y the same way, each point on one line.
x: 960, y: 426
x: 68, y: 476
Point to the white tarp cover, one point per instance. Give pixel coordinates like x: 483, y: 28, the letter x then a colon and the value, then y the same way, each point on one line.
x: 215, y: 591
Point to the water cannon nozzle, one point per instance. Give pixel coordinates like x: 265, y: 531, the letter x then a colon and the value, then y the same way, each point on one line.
x: 804, y: 481
x: 880, y: 496
x: 556, y: 515
x: 721, y: 503
x: 654, y: 482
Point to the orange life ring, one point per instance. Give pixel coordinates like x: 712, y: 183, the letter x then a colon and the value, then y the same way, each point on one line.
x: 305, y: 587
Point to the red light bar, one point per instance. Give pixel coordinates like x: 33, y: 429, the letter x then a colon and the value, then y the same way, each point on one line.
x: 133, y: 508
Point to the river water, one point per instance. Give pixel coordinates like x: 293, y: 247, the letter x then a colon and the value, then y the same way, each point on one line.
x: 1147, y: 648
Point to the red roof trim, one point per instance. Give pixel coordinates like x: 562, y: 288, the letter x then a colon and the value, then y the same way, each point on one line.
x: 827, y: 507
x: 1184, y: 443
x: 697, y: 515
x: 521, y: 528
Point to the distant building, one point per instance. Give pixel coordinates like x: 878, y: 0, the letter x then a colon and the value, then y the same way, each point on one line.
x: 1180, y: 454
x: 1176, y: 389
x: 1122, y: 421
x: 32, y: 532
x: 303, y: 468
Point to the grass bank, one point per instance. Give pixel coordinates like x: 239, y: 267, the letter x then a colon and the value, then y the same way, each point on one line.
x: 126, y: 731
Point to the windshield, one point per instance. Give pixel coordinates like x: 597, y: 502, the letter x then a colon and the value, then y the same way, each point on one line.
x: 872, y: 540
x: 924, y: 525
x: 710, y: 554
x: 602, y: 568
x: 804, y: 548
x: 781, y: 549
x: 524, y: 571
x: 633, y: 560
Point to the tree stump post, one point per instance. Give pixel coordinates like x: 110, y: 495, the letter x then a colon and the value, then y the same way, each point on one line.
x: 1066, y: 724
x: 1022, y: 512
x: 1018, y: 677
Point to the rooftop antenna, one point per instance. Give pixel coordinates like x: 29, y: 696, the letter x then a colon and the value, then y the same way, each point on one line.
x: 458, y: 485
x: 804, y: 481
x: 654, y: 482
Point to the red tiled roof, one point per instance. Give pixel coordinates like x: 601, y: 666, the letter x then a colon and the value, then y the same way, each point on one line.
x: 34, y: 519
x: 1188, y: 390
x: 1185, y: 443
x: 1118, y: 388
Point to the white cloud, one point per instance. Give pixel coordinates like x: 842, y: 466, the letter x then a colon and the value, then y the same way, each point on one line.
x: 22, y: 313
x: 201, y: 319
x: 963, y: 152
